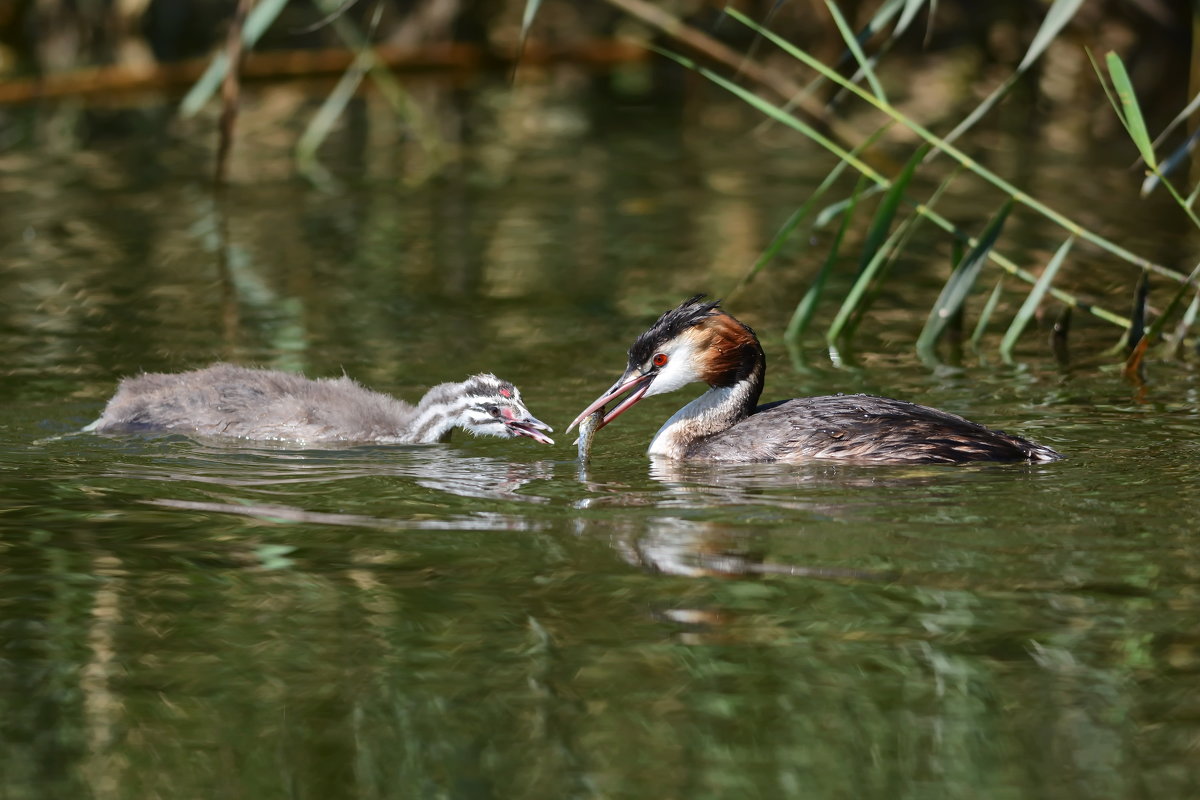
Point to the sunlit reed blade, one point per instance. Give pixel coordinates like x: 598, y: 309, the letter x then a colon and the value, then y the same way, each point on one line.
x: 910, y: 228
x: 1191, y: 198
x: 806, y: 308
x: 790, y: 120
x: 328, y: 18
x: 985, y: 315
x: 1187, y: 112
x: 1131, y: 112
x: 1033, y: 300
x: 911, y: 7
x: 328, y: 114
x: 1125, y: 104
x: 527, y: 18
x: 874, y: 253
x: 1005, y: 186
x: 858, y: 291
x: 856, y: 49
x: 874, y: 26
x: 1185, y: 324
x: 958, y: 285
x: 886, y: 213
x: 1178, y: 156
x: 831, y: 211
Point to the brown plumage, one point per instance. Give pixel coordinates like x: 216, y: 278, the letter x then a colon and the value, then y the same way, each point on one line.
x: 697, y: 341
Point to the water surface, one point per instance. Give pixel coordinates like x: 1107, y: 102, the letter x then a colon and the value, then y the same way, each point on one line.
x: 199, y: 618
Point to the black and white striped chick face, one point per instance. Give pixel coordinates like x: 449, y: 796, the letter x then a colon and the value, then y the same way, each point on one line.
x: 489, y: 406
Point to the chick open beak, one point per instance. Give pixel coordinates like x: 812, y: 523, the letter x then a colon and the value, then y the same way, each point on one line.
x: 529, y: 426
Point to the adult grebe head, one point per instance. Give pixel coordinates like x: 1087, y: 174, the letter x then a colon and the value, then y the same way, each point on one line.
x: 693, y: 342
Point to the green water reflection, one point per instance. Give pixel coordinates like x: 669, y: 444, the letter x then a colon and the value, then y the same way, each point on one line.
x: 483, y: 619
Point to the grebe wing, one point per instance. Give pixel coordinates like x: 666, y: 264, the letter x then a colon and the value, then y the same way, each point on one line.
x: 864, y: 428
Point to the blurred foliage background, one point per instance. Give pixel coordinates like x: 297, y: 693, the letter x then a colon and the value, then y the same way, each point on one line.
x: 937, y: 69
x: 50, y: 37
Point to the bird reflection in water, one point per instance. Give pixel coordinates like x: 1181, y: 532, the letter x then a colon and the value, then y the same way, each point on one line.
x: 262, y: 482
x: 676, y: 546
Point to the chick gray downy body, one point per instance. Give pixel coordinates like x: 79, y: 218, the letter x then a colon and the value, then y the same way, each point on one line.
x: 259, y: 404
x: 697, y: 341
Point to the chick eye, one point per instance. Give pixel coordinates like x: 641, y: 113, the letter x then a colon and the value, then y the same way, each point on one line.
x: 659, y: 360
x: 493, y: 410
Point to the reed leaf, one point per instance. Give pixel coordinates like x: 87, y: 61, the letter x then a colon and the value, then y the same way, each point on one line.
x: 1033, y: 300
x: 531, y: 9
x: 985, y: 315
x: 874, y: 253
x: 1057, y: 16
x: 1126, y: 106
x: 1177, y: 157
x: 911, y: 7
x: 1187, y: 111
x: 959, y: 284
x: 1005, y: 186
x: 831, y: 211
x: 910, y: 228
x: 886, y: 213
x: 883, y: 15
x: 806, y: 308
x: 790, y: 120
x: 331, y: 109
x: 858, y: 291
x: 1185, y: 324
x: 1131, y: 112
x: 856, y: 49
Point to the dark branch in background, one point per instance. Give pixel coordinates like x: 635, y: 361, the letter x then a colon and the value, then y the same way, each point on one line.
x: 230, y: 88
x: 741, y: 63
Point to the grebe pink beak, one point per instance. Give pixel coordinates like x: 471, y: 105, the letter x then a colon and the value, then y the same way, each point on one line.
x: 639, y: 384
x: 529, y: 426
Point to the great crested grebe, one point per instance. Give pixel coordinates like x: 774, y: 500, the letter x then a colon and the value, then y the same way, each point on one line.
x: 698, y: 341
x: 228, y: 400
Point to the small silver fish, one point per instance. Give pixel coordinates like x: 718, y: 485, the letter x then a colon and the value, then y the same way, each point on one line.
x: 587, y: 432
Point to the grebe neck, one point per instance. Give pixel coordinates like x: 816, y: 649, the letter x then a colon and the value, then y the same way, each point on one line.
x: 439, y: 411
x: 717, y: 410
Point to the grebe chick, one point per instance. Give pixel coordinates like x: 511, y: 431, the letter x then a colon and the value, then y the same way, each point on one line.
x: 260, y: 404
x: 700, y: 342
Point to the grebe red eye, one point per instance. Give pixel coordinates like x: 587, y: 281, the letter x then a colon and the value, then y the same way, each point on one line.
x: 659, y: 360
